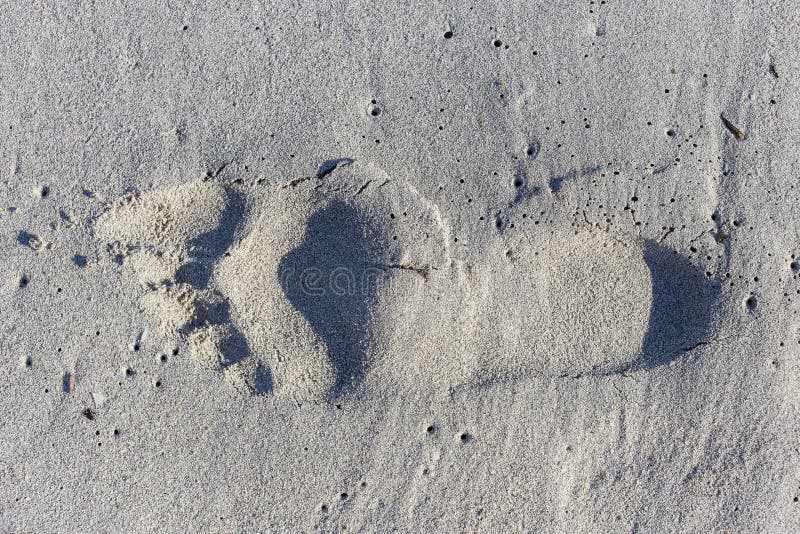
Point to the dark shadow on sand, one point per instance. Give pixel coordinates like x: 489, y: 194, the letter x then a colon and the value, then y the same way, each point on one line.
x: 683, y: 311
x: 205, y: 252
x: 327, y: 280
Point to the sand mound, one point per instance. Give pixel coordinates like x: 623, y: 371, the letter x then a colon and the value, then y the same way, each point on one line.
x: 168, y: 218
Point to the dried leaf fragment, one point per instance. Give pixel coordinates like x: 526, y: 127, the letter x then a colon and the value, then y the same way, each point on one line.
x: 737, y: 133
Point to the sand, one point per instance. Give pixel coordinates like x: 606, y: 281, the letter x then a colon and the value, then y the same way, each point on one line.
x: 495, y: 267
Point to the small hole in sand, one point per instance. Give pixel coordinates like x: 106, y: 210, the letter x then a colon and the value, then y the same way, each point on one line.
x: 343, y: 495
x: 464, y: 437
x: 498, y: 43
x: 448, y: 34
x: 79, y: 260
x: 751, y: 302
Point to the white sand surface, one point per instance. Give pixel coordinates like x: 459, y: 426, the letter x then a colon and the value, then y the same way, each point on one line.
x: 413, y: 267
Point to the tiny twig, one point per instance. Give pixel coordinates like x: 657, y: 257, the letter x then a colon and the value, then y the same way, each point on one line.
x: 737, y: 133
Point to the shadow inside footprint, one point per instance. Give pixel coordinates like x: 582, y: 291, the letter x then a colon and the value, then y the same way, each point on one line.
x: 331, y: 280
x: 205, y: 251
x: 683, y: 309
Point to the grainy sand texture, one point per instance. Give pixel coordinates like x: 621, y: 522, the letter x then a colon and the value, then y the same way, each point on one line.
x: 400, y: 267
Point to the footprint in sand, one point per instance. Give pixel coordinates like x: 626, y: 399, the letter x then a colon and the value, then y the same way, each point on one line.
x: 295, y: 289
x: 309, y: 288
